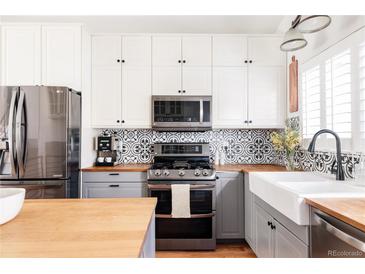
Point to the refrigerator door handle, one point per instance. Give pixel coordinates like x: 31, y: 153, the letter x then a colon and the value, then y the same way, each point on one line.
x: 21, y: 139
x: 11, y: 133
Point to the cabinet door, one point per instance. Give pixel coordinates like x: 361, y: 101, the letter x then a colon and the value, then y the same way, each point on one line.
x: 106, y: 81
x: 249, y: 214
x: 287, y: 245
x: 229, y: 97
x: 114, y: 190
x: 166, y: 68
x: 197, y: 65
x: 264, y: 239
x: 21, y: 55
x: 229, y: 51
x: 136, y: 81
x: 230, y: 214
x: 266, y: 97
x: 61, y: 56
x: 265, y: 51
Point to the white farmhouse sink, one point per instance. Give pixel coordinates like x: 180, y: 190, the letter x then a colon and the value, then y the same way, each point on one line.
x: 11, y: 202
x: 286, y: 191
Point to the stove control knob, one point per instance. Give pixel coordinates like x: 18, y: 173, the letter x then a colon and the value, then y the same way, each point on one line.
x: 197, y: 172
x: 205, y: 172
x: 157, y: 172
x: 166, y: 172
x: 181, y: 173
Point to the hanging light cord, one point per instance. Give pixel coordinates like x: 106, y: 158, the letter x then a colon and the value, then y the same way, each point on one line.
x: 296, y: 21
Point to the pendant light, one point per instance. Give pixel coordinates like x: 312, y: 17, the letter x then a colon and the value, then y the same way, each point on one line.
x: 293, y: 40
x: 313, y: 23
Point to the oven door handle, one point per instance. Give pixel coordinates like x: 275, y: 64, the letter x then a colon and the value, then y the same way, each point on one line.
x: 192, y: 216
x: 168, y: 187
x: 350, y: 240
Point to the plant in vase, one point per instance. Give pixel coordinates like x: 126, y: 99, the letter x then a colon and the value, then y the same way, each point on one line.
x: 286, y: 141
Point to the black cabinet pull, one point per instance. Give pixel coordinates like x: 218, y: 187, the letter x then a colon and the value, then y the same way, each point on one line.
x: 118, y: 121
x: 250, y: 121
x: 250, y: 61
x: 118, y: 60
x: 123, y: 61
x: 273, y: 227
x: 246, y: 61
x: 216, y: 177
x: 184, y: 61
x: 113, y: 174
x: 246, y: 121
x: 113, y: 185
x: 179, y: 61
x: 179, y: 91
x: 184, y: 91
x: 269, y: 223
x: 123, y: 121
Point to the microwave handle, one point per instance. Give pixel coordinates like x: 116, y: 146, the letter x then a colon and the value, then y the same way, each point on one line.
x: 201, y: 113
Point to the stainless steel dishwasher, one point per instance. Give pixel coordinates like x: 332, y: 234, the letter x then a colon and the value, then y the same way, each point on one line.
x: 332, y: 238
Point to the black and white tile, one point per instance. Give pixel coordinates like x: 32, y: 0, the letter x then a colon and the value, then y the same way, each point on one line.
x: 240, y: 146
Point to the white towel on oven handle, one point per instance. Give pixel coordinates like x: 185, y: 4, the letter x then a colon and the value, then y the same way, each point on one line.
x: 180, y: 201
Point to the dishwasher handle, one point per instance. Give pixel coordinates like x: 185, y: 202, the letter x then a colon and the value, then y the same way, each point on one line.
x: 343, y: 236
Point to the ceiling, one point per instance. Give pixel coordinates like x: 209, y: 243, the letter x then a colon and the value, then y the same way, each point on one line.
x: 166, y: 24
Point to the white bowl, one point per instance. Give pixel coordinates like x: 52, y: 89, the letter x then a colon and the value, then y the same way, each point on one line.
x: 11, y: 202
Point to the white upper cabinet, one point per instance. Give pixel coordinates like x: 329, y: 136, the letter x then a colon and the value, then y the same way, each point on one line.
x: 229, y: 97
x: 21, y: 55
x: 265, y: 51
x: 266, y: 97
x: 197, y: 65
x: 36, y: 54
x: 106, y: 81
x: 61, y: 56
x: 166, y: 69
x: 136, y: 81
x: 121, y: 81
x: 229, y: 51
x: 181, y: 65
x: 106, y: 51
x: 197, y: 51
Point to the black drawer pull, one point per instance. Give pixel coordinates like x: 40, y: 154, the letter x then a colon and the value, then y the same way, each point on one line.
x: 113, y: 185
x: 113, y: 174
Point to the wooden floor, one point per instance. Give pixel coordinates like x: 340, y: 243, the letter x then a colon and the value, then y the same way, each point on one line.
x: 239, y: 250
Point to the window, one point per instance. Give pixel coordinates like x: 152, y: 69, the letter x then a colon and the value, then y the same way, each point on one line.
x: 311, y: 104
x: 338, y: 94
x: 332, y: 94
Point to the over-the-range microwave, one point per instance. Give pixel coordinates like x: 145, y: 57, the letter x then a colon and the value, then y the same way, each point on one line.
x: 182, y: 113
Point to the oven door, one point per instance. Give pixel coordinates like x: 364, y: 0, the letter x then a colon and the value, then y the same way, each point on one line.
x: 194, y: 233
x: 181, y: 112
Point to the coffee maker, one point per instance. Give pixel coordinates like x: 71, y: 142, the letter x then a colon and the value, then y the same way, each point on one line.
x: 107, y: 147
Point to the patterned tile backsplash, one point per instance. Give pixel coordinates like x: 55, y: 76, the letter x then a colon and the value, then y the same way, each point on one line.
x: 241, y: 146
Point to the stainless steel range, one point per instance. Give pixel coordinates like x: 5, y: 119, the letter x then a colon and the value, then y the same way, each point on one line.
x: 176, y: 163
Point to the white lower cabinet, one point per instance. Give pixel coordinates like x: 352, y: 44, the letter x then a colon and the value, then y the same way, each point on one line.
x: 273, y: 240
x: 229, y: 206
x: 249, y: 214
x: 114, y: 185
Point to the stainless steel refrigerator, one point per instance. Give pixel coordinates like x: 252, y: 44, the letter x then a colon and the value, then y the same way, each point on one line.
x: 40, y: 140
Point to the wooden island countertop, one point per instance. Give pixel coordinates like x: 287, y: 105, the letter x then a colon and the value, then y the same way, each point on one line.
x: 348, y: 210
x: 78, y: 228
x: 222, y: 168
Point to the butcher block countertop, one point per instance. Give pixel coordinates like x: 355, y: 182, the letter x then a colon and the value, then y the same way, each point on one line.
x: 144, y: 167
x: 348, y: 210
x: 118, y: 168
x: 78, y: 228
x: 250, y: 168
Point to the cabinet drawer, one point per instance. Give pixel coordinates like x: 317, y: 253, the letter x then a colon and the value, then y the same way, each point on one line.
x: 120, y: 177
x: 114, y: 190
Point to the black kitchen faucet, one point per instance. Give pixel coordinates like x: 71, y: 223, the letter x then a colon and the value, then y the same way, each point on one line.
x: 339, y: 172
